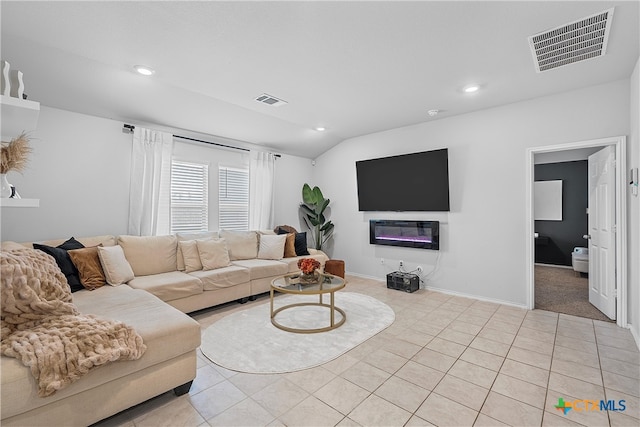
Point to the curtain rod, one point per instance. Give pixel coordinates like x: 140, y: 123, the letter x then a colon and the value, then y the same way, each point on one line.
x: 130, y: 128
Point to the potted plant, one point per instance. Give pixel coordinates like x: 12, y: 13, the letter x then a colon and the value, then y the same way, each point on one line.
x: 313, y: 207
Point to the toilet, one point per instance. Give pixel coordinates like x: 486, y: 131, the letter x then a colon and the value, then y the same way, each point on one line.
x: 580, y: 260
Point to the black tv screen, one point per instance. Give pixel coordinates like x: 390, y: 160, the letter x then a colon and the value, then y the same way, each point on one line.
x: 409, y: 182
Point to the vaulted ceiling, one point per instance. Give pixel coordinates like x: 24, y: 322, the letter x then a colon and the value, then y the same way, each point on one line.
x: 353, y: 68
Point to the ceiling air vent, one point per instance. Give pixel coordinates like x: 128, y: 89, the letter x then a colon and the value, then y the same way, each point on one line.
x: 577, y: 41
x: 270, y: 100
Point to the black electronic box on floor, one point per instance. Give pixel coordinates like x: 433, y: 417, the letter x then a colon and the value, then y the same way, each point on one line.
x: 403, y: 281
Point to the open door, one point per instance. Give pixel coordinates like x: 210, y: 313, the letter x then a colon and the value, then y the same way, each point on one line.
x: 602, y: 232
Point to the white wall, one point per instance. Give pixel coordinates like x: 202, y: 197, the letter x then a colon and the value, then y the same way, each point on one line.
x: 483, y: 236
x: 80, y: 167
x: 291, y: 174
x: 633, y: 209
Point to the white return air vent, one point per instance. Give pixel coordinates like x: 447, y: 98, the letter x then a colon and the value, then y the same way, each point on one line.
x: 573, y: 42
x: 270, y: 100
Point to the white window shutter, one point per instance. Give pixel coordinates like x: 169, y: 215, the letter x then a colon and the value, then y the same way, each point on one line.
x: 189, y: 197
x: 233, y: 199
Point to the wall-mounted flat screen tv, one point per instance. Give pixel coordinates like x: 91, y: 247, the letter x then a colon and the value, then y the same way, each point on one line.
x: 409, y: 182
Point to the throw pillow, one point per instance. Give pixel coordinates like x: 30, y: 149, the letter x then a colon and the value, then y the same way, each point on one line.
x: 190, y: 255
x: 213, y: 253
x: 59, y: 253
x: 191, y: 236
x: 272, y: 246
x: 290, y: 246
x: 89, y: 268
x: 241, y: 244
x: 301, y: 244
x: 117, y: 269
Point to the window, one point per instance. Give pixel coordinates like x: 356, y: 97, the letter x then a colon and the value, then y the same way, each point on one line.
x: 233, y: 199
x: 189, y: 197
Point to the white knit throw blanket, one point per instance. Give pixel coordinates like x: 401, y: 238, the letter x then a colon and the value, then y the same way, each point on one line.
x: 44, y: 330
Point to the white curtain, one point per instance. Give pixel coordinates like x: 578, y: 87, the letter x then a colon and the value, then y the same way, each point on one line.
x: 150, y: 192
x: 261, y: 181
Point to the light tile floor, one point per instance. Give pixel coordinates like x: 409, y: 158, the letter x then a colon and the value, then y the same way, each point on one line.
x: 446, y: 361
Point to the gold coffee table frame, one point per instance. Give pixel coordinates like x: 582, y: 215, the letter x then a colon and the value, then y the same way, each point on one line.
x: 293, y: 284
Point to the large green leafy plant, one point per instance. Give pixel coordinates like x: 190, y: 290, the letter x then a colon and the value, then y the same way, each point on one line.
x: 313, y: 207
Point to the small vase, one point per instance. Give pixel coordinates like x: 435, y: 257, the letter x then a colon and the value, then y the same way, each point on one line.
x: 5, y: 187
x: 309, y: 277
x: 17, y: 85
x: 6, y: 83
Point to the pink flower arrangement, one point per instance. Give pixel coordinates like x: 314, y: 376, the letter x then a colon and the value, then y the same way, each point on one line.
x: 308, y: 265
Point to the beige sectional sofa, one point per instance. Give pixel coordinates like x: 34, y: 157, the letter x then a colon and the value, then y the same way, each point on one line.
x: 153, y: 302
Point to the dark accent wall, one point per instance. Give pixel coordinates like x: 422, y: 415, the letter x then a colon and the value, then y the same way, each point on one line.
x: 558, y: 238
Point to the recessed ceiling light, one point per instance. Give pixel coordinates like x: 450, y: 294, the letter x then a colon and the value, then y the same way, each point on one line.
x: 320, y: 129
x: 144, y: 70
x: 471, y: 88
x: 433, y: 113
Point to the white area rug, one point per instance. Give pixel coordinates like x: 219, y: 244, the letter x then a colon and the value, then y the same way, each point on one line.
x: 246, y: 341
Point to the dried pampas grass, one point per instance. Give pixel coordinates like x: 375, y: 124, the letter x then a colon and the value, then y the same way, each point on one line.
x: 15, y: 155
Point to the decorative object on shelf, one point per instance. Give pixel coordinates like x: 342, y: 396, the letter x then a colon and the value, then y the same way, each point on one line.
x: 6, y: 83
x: 5, y: 187
x: 314, y: 206
x: 17, y: 85
x: 13, y: 157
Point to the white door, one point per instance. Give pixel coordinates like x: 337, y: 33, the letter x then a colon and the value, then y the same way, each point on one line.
x: 602, y: 234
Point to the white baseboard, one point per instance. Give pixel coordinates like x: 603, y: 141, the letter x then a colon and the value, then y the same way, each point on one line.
x: 480, y: 298
x: 449, y: 292
x: 568, y: 267
x: 636, y: 335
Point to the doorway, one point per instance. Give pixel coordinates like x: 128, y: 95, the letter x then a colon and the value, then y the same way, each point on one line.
x: 557, y: 151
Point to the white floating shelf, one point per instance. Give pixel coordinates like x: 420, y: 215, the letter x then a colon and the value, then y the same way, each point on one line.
x: 19, y: 203
x: 18, y: 115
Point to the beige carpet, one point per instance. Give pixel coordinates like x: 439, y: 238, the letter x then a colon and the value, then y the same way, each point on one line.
x: 246, y: 341
x: 560, y: 290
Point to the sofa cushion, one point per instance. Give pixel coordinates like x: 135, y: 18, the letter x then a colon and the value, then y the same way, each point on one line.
x: 272, y: 247
x: 105, y: 240
x: 301, y: 244
x: 192, y: 236
x: 261, y: 268
x: 241, y: 244
x: 150, y: 254
x: 168, y: 286
x: 89, y: 267
x: 213, y: 253
x: 117, y: 269
x: 166, y: 332
x: 188, y: 250
x: 290, y: 246
x: 222, y: 277
x: 60, y: 254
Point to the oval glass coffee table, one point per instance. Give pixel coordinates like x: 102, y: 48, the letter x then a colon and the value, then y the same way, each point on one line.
x: 294, y: 283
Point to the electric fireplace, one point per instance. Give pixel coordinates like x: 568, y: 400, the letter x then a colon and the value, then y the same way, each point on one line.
x: 410, y: 234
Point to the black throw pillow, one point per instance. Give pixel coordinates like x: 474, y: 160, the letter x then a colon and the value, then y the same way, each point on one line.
x: 301, y: 244
x: 63, y: 260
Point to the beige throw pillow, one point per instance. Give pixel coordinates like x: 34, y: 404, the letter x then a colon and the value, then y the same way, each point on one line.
x: 201, y: 235
x: 272, y: 247
x: 213, y: 253
x: 190, y: 255
x: 117, y: 269
x: 150, y: 254
x: 241, y: 244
